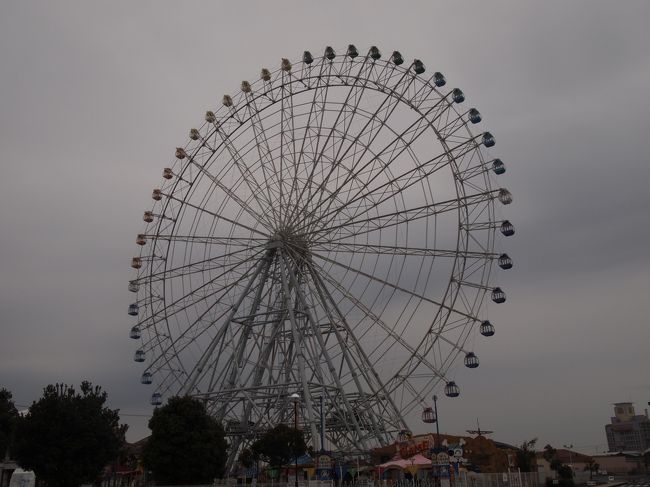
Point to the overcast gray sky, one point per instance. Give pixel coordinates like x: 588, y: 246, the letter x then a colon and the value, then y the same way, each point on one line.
x: 94, y: 96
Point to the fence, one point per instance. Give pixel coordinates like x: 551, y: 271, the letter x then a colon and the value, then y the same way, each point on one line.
x: 464, y: 479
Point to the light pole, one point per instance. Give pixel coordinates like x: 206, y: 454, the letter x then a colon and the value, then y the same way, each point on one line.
x: 437, y: 440
x: 435, y: 411
x: 295, y: 398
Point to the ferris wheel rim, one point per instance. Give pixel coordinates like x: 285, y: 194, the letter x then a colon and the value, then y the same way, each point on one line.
x: 489, y: 256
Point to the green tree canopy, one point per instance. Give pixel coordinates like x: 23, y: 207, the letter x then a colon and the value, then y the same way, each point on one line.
x: 187, y: 446
x: 8, y: 420
x: 526, y: 456
x: 592, y: 467
x: 67, y: 437
x: 280, y: 445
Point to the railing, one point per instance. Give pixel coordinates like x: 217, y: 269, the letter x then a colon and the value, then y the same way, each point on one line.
x: 464, y: 479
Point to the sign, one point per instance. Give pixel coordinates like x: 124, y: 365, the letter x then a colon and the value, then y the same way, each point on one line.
x: 323, y: 461
x: 442, y: 458
x: 413, y: 447
x: 324, y: 466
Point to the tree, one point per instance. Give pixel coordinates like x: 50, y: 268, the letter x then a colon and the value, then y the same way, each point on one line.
x: 8, y: 420
x: 592, y: 467
x: 526, y: 456
x: 187, y: 446
x: 280, y: 445
x: 564, y: 472
x: 67, y: 438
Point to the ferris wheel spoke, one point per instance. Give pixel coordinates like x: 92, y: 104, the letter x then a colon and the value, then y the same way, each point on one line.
x: 353, y: 227
x: 220, y: 216
x: 393, y: 98
x: 176, y: 345
x: 390, y: 332
x: 199, y: 266
x: 319, y: 104
x: 359, y: 248
x: 249, y: 242
x: 370, y: 130
x: 363, y: 362
x: 397, y: 185
x: 247, y: 175
x: 263, y: 149
x: 231, y: 194
x: 392, y: 285
x: 213, y: 291
x: 356, y: 91
x: 393, y: 147
x: 312, y: 111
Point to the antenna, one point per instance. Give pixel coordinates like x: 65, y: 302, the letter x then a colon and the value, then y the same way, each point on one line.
x: 478, y: 431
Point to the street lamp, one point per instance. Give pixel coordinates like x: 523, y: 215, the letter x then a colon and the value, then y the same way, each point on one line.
x: 437, y: 440
x: 295, y: 398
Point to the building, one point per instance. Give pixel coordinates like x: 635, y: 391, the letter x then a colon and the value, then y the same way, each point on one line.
x: 627, y: 430
x: 621, y: 463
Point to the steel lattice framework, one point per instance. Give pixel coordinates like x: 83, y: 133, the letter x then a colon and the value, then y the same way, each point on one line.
x: 329, y: 230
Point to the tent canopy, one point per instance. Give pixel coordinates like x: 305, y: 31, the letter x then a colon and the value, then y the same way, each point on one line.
x: 415, y: 461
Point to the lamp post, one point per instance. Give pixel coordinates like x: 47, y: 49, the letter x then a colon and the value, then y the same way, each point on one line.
x: 435, y: 411
x: 437, y: 440
x: 295, y: 398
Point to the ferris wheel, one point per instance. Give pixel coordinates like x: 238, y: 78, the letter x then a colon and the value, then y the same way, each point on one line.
x: 329, y: 230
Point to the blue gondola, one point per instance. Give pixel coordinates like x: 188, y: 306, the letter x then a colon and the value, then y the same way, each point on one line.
x: 457, y: 95
x: 439, y: 79
x: 418, y: 66
x: 471, y: 360
x: 397, y: 58
x: 474, y: 115
x: 507, y: 228
x: 135, y: 332
x: 487, y: 329
x: 498, y: 296
x: 451, y: 389
x: 505, y: 262
x: 488, y: 139
x: 146, y: 378
x: 156, y: 399
x: 498, y: 166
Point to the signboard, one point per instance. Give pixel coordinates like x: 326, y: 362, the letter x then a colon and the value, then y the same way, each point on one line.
x: 442, y: 458
x: 324, y: 467
x: 413, y: 447
x: 323, y: 461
